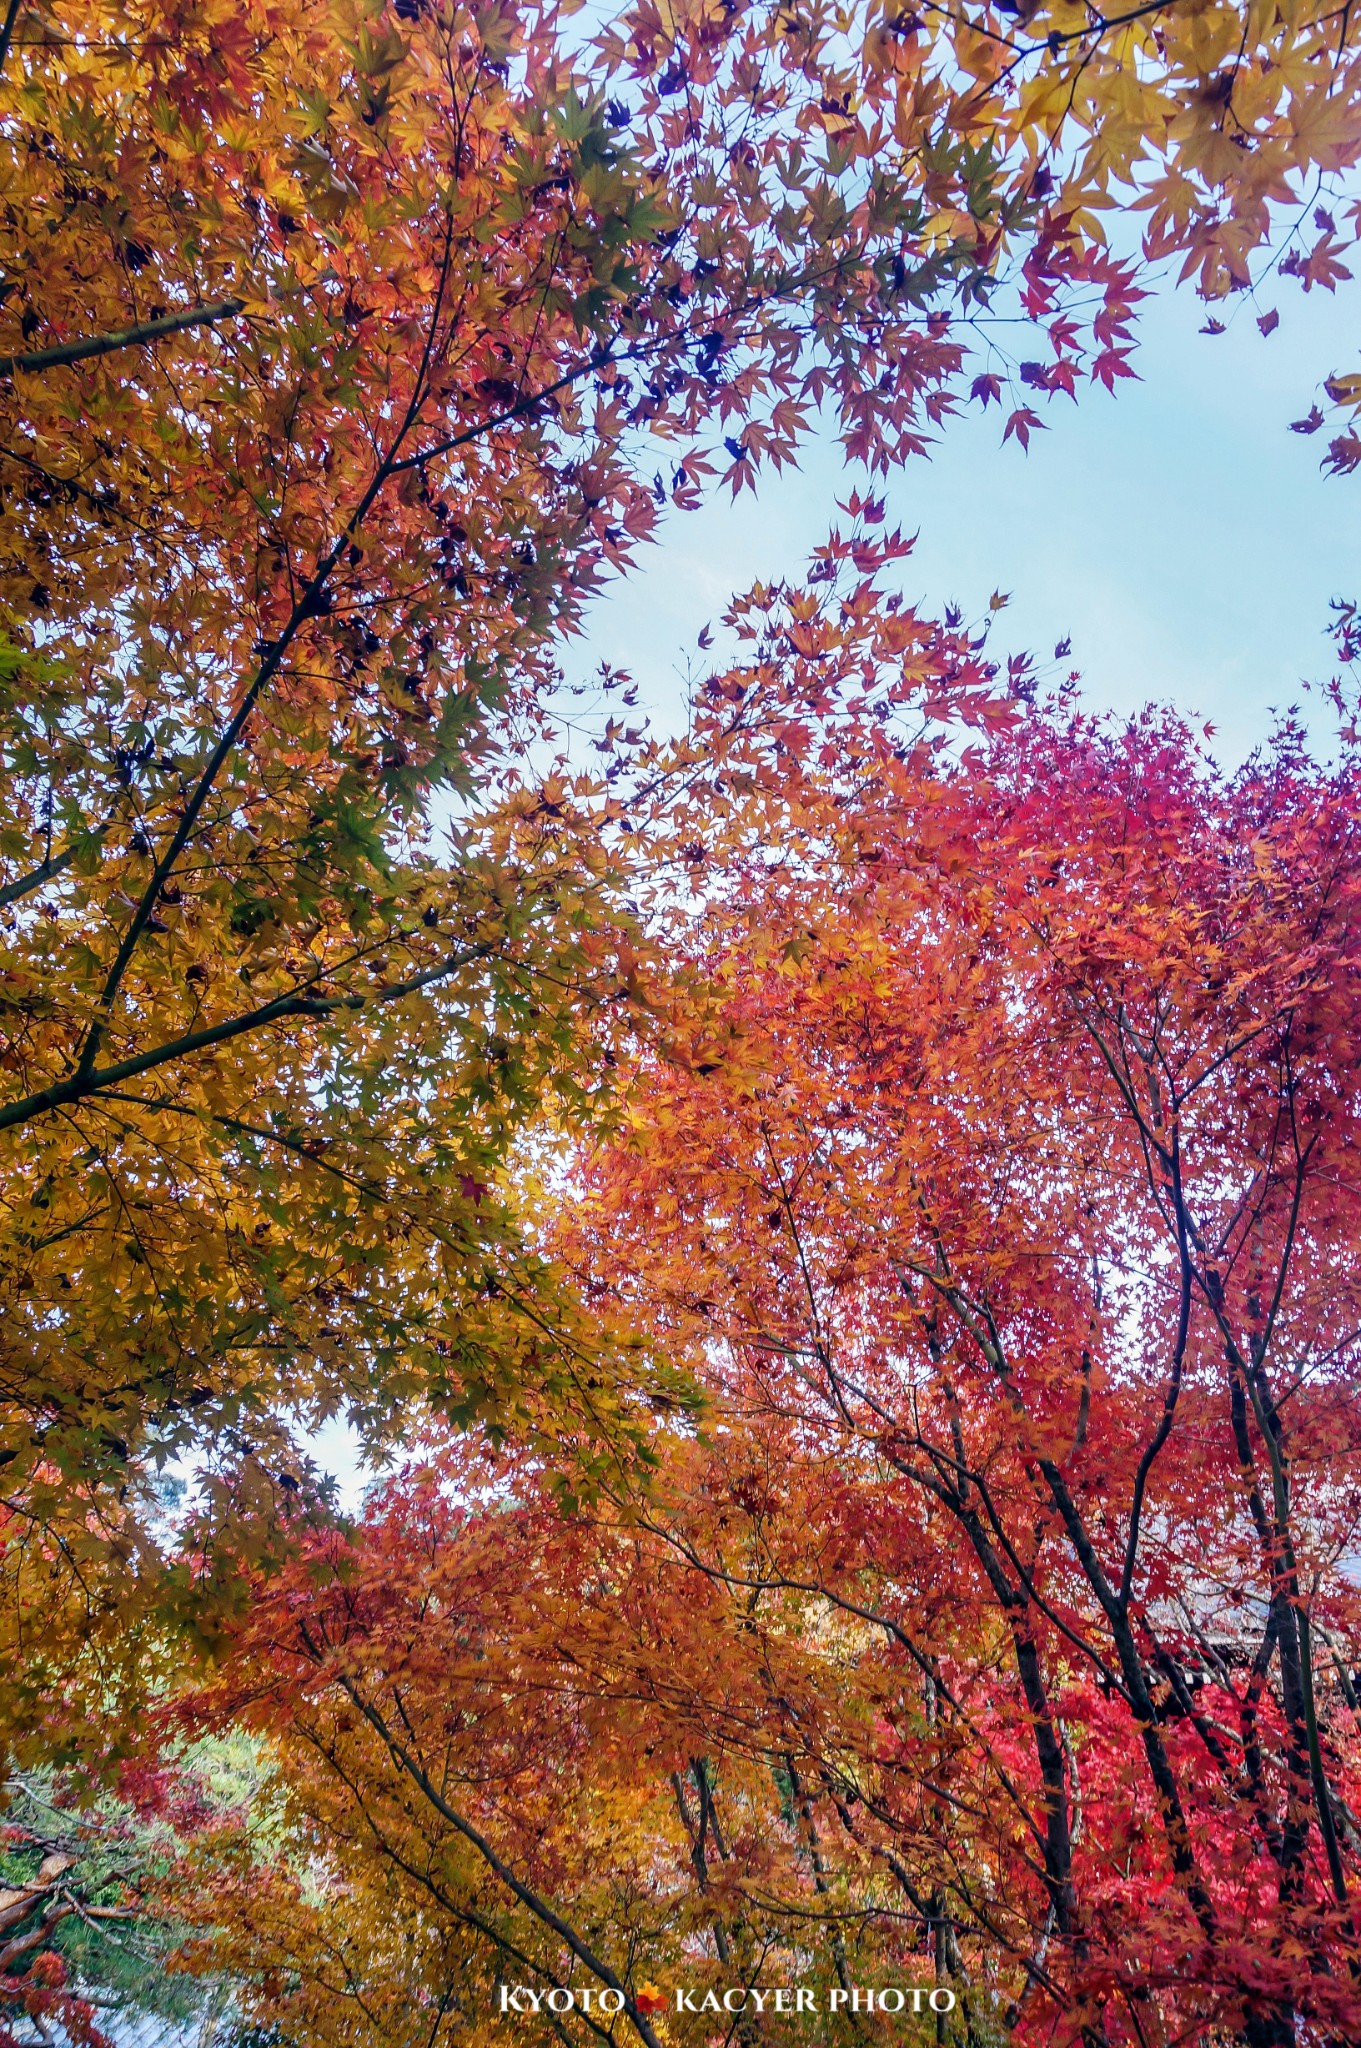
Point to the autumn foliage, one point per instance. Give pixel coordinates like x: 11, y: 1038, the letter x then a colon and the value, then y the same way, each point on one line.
x: 838, y: 1227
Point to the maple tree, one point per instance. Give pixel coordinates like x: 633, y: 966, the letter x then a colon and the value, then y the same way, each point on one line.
x: 1019, y: 1206
x: 996, y: 1625
x: 498, y: 1768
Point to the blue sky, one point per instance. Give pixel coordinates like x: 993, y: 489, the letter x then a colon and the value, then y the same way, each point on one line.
x: 1178, y: 532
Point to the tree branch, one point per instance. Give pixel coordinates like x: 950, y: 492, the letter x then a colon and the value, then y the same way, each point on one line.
x: 53, y: 865
x: 76, y: 1087
x: 128, y: 337
x: 7, y: 31
x: 540, y: 1908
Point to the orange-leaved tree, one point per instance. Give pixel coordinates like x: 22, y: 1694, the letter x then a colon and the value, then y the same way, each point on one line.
x: 1007, y: 1195
x: 522, y: 1748
x: 992, y: 1173
x: 542, y: 1772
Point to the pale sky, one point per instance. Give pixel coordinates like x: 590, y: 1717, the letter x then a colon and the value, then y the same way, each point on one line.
x: 1178, y: 532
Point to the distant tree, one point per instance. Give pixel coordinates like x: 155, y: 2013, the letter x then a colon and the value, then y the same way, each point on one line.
x: 82, y: 1943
